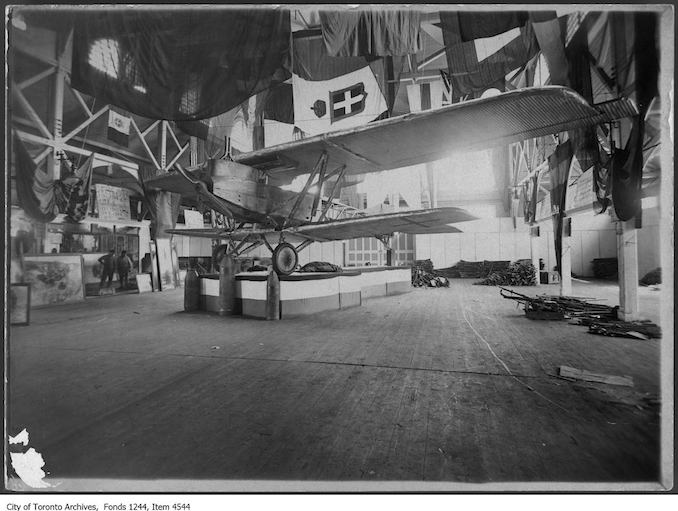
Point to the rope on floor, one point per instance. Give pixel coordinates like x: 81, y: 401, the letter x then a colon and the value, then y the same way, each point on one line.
x: 463, y: 313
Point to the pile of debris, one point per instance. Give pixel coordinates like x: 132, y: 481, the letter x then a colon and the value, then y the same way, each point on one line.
x: 652, y: 278
x: 605, y: 268
x: 560, y: 307
x: 520, y: 273
x: 601, y: 319
x: 423, y: 275
x: 616, y: 328
x: 473, y: 270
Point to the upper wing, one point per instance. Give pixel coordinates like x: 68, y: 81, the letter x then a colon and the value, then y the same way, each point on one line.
x: 434, y: 134
x: 425, y: 221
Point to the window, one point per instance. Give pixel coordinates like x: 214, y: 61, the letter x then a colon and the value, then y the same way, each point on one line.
x: 104, y: 55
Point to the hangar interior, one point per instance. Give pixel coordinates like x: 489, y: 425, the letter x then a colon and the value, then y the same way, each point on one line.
x: 363, y: 375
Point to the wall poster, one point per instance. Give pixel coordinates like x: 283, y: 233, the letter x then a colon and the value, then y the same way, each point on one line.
x: 165, y: 266
x: 112, y: 202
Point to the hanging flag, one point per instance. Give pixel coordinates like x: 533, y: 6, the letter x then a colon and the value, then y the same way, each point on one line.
x: 375, y: 33
x: 425, y: 96
x: 549, y: 34
x: 627, y: 175
x: 118, y: 127
x: 313, y: 63
x: 559, y: 167
x: 73, y: 192
x: 472, y: 71
x: 34, y: 187
x: 447, y: 87
x: 347, y: 101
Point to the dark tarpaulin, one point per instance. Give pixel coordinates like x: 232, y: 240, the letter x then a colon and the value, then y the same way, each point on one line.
x: 468, y: 76
x: 34, y: 187
x: 179, y: 64
x: 559, y: 166
x: 384, y: 32
x: 586, y: 147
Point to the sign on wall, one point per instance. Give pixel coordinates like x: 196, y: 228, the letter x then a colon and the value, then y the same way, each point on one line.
x: 112, y: 202
x: 544, y: 208
x: 193, y: 219
x: 580, y: 192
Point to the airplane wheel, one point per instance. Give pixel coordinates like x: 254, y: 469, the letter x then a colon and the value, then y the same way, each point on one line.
x: 217, y: 254
x: 285, y: 259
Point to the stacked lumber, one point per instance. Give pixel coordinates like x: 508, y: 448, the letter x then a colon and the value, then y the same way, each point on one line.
x: 423, y: 275
x: 520, y: 273
x: 473, y: 269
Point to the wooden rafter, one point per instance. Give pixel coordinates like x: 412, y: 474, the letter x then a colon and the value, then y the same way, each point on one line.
x: 182, y: 150
x: 36, y: 78
x: 174, y: 137
x: 81, y: 101
x: 61, y: 146
x: 32, y: 114
x: 144, y: 143
x: 86, y: 123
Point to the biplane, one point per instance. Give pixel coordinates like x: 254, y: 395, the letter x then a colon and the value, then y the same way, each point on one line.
x: 247, y: 189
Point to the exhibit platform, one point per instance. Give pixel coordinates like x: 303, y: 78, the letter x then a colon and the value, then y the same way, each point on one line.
x: 308, y: 293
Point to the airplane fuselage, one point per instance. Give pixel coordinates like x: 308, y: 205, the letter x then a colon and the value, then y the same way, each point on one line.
x: 254, y: 201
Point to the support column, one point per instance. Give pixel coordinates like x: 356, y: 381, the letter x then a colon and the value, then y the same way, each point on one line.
x: 193, y: 155
x: 566, y: 261
x: 627, y: 264
x: 163, y: 145
x: 54, y: 158
x: 227, y: 298
x: 534, y: 250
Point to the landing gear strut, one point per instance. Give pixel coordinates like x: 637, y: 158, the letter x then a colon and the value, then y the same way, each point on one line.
x: 285, y: 259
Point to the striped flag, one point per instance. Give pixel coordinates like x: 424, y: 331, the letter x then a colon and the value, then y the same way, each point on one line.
x: 346, y: 101
x: 73, y: 192
x: 118, y: 128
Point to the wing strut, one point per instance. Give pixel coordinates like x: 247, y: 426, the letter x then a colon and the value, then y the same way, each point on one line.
x: 321, y: 164
x: 332, y: 192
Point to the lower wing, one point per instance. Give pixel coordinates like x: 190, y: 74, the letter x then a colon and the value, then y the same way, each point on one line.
x: 424, y: 221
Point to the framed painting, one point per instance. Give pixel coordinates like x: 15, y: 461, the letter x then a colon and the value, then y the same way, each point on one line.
x: 54, y: 278
x: 19, y: 304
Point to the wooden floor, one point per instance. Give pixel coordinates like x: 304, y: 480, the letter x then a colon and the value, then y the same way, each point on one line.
x: 453, y: 386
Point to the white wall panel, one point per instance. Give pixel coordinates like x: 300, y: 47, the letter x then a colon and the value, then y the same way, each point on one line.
x: 487, y: 246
